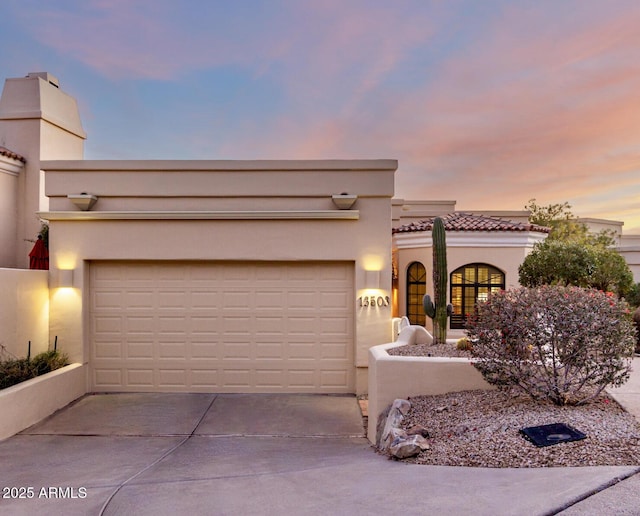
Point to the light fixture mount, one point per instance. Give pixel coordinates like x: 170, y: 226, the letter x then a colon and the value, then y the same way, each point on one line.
x: 83, y: 200
x: 344, y: 201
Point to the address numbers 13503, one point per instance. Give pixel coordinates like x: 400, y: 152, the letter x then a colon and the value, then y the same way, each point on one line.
x: 373, y: 301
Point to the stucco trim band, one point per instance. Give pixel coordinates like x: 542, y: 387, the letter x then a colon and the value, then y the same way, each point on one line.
x: 201, y: 215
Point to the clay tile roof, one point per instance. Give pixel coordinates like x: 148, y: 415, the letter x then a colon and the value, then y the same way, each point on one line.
x: 460, y: 221
x: 10, y: 154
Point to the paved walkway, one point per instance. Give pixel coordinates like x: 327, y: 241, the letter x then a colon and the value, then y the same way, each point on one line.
x: 198, y: 454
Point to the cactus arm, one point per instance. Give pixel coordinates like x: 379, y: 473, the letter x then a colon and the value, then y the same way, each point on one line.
x: 428, y: 306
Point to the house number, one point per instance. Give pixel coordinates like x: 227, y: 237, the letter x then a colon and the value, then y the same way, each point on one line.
x: 373, y: 301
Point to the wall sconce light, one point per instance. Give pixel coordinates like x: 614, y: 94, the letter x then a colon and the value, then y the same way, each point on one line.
x: 84, y: 201
x: 65, y: 278
x: 372, y: 280
x: 344, y: 201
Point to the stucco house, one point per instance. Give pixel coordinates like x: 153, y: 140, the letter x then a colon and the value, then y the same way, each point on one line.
x: 199, y: 276
x: 483, y: 255
x: 221, y: 276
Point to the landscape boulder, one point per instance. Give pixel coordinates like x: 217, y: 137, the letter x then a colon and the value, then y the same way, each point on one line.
x: 394, y: 440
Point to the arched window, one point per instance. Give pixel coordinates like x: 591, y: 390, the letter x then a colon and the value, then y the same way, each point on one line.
x: 416, y: 289
x: 470, y: 284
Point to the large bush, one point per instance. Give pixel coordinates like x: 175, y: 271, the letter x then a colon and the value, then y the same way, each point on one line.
x: 555, y: 262
x: 565, y: 344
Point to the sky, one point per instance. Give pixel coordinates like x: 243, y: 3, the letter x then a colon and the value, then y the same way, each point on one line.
x: 486, y: 102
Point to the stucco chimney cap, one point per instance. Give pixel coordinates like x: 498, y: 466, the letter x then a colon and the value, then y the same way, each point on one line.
x: 45, y: 76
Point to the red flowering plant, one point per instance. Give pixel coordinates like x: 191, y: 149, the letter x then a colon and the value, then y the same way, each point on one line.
x: 564, y: 344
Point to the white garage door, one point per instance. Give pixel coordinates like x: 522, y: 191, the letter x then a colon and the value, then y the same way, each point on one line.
x: 222, y: 327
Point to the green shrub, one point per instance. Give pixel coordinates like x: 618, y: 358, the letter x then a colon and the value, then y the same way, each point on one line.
x: 20, y: 370
x: 633, y: 296
x: 564, y: 344
x: 48, y: 361
x: 15, y: 371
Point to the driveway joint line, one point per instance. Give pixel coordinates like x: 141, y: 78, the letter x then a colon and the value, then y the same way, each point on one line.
x: 599, y: 489
x: 157, y: 461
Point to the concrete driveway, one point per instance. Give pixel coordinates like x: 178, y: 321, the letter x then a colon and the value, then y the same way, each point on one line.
x: 240, y: 454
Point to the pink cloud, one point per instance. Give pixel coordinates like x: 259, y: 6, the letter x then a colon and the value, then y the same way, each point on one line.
x: 528, y: 101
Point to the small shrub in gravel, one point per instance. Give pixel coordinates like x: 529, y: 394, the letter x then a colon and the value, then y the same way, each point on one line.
x: 464, y: 344
x: 564, y: 344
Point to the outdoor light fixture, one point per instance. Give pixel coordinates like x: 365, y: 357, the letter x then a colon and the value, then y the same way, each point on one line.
x: 65, y: 278
x: 84, y: 201
x: 344, y: 201
x: 372, y: 280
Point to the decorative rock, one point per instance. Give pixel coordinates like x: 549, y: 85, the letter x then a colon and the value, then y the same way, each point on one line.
x: 410, y: 447
x: 399, y: 408
x: 418, y: 430
x: 394, y: 440
x: 382, y: 421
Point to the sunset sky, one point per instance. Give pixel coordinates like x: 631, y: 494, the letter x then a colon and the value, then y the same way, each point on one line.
x: 486, y: 102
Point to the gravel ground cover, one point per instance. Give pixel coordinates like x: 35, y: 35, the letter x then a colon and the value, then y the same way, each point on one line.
x: 482, y: 428
x: 429, y: 350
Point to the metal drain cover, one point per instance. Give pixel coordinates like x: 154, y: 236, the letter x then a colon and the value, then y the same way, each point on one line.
x: 546, y: 435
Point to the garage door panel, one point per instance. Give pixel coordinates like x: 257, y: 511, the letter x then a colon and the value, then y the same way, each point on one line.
x: 201, y: 350
x: 334, y: 300
x: 222, y: 327
x: 172, y: 377
x: 337, y: 379
x: 207, y: 378
x: 108, y: 325
x: 269, y: 351
x: 108, y: 377
x: 106, y: 299
x: 142, y: 299
x: 172, y: 300
x: 269, y: 299
x: 205, y: 300
x: 172, y: 349
x: 108, y: 350
x: 140, y: 378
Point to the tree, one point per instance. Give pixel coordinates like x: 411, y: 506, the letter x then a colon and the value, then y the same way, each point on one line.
x: 573, y: 256
x: 565, y: 226
x: 611, y: 272
x: 555, y: 262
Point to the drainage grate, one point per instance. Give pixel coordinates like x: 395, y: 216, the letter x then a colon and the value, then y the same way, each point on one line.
x: 546, y: 435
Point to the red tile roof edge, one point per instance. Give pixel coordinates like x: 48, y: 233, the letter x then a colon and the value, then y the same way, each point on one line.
x: 10, y: 154
x: 461, y: 221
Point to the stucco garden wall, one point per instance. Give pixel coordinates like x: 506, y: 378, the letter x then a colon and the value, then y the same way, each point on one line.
x: 26, y: 403
x: 24, y: 311
x: 392, y: 377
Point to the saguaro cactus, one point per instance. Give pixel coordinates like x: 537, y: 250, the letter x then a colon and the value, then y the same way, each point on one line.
x: 439, y: 311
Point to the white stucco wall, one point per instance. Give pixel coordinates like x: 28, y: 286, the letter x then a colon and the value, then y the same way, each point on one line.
x: 8, y: 212
x: 24, y: 311
x: 629, y: 248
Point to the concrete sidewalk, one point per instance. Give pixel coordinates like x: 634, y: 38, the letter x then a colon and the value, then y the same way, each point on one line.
x: 198, y: 454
